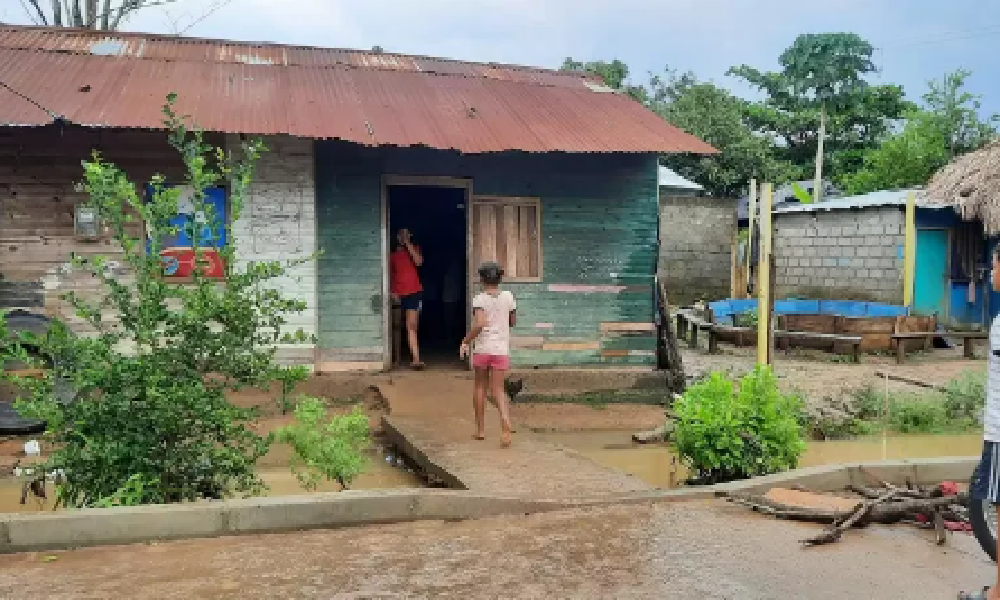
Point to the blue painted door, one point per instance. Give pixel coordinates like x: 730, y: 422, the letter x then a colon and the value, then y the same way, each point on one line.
x: 930, y: 281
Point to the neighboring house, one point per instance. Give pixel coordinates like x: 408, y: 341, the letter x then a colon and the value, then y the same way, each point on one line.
x: 852, y: 249
x: 696, y: 240
x: 546, y: 171
x: 784, y: 195
x: 672, y: 184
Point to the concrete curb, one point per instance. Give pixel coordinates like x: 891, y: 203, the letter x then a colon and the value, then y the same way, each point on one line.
x: 129, y: 525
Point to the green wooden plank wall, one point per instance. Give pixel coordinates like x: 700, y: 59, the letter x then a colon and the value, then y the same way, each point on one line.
x: 599, y: 230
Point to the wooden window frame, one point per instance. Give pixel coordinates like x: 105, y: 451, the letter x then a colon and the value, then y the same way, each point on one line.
x: 511, y: 201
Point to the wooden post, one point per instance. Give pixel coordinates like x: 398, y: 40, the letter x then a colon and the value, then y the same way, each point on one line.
x: 752, y: 214
x: 909, y: 250
x: 764, y: 278
x: 770, y: 310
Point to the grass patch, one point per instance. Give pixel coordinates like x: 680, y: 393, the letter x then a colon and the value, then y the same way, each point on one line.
x: 957, y: 409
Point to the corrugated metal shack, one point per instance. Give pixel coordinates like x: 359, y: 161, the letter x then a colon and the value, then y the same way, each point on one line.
x: 550, y: 173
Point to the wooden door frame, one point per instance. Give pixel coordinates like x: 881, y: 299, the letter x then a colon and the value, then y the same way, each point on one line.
x: 947, y: 267
x: 439, y: 181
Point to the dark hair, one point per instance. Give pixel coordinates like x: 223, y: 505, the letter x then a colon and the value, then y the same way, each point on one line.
x: 491, y: 273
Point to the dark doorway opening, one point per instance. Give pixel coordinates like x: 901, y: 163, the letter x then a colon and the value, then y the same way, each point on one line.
x: 436, y: 218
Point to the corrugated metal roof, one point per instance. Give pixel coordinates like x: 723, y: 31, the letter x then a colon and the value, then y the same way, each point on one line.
x: 880, y: 198
x: 670, y: 178
x: 121, y: 80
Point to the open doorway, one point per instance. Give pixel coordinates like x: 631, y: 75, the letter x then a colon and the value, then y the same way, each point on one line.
x: 436, y: 217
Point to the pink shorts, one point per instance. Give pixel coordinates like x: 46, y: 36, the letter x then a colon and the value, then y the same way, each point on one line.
x: 497, y: 362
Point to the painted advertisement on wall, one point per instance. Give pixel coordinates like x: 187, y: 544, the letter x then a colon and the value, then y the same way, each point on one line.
x: 177, y: 252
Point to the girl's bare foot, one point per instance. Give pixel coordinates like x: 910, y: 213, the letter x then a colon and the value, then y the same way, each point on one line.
x: 505, y: 439
x: 479, y: 436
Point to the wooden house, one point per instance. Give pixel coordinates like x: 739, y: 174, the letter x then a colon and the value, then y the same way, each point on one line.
x: 550, y: 173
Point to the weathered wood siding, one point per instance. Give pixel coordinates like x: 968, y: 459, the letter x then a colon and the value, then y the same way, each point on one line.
x: 39, y: 170
x: 594, y: 305
x: 278, y: 222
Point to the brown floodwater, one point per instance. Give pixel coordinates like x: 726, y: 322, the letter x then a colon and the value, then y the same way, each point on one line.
x: 280, y: 481
x: 657, y: 465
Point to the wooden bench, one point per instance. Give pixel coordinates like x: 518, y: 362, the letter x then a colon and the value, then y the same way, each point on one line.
x: 968, y: 338
x: 739, y: 333
x: 783, y: 338
x: 688, y: 324
x: 854, y: 341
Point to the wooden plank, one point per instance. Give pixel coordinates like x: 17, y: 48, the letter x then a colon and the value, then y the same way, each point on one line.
x: 610, y: 327
x: 571, y: 346
x: 524, y: 241
x: 488, y: 233
x: 509, y: 233
x: 527, y: 342
x: 501, y: 239
x: 534, y: 241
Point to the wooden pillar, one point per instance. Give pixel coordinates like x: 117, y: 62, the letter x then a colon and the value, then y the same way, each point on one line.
x: 764, y: 278
x: 752, y: 215
x: 909, y: 250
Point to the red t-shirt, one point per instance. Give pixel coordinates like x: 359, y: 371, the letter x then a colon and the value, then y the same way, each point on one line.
x: 403, y: 277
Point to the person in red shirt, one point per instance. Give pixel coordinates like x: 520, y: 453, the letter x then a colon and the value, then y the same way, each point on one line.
x: 406, y: 288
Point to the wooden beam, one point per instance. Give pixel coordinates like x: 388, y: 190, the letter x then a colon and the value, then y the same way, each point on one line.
x: 764, y: 277
x: 909, y: 250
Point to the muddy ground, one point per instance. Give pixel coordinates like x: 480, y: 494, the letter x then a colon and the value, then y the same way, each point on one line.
x: 817, y: 376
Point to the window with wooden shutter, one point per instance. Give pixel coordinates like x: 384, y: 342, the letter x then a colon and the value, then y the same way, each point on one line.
x: 508, y: 230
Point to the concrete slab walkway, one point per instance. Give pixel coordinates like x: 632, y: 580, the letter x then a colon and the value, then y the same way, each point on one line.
x: 431, y: 418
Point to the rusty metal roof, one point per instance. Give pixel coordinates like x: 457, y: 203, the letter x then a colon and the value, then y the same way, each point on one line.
x: 98, y: 79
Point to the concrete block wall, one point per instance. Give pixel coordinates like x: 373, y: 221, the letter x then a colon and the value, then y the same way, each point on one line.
x: 278, y: 222
x: 696, y: 245
x: 840, y: 254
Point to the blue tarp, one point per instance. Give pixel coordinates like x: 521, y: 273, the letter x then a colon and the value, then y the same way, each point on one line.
x: 724, y: 310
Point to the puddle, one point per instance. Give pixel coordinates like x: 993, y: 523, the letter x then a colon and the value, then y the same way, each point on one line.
x: 657, y: 465
x: 280, y: 480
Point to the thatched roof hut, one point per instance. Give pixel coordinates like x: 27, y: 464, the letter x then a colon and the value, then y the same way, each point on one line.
x: 971, y: 183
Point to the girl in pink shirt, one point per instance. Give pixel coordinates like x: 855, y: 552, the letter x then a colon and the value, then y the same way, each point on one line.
x: 494, y: 312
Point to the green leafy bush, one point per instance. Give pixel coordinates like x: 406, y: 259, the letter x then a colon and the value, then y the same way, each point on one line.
x: 152, y: 422
x: 724, y: 432
x: 332, y: 449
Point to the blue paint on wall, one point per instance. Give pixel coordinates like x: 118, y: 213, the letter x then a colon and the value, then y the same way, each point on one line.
x: 930, y: 282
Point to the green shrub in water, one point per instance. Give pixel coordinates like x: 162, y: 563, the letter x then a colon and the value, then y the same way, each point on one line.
x: 326, y: 449
x: 725, y: 432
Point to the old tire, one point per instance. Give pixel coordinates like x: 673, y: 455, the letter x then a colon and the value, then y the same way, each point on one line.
x: 983, y: 517
x: 11, y: 423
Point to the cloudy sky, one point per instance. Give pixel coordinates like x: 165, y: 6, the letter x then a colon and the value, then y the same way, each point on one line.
x: 917, y: 39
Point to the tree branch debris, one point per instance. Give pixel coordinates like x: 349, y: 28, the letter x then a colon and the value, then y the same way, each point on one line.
x: 939, y: 508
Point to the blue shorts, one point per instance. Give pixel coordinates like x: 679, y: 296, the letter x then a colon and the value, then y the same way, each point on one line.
x: 412, y: 302
x: 985, y: 483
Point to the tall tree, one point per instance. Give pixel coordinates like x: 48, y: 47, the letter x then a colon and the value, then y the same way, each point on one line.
x: 958, y: 110
x: 715, y: 115
x: 87, y: 14
x: 822, y: 84
x: 614, y: 74
x: 947, y: 125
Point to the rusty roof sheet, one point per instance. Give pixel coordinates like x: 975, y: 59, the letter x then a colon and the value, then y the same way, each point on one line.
x: 121, y: 80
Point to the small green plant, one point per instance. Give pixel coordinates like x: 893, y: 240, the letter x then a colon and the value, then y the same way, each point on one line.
x: 326, y: 449
x: 749, y: 319
x: 138, y: 489
x: 965, y: 397
x: 726, y: 432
